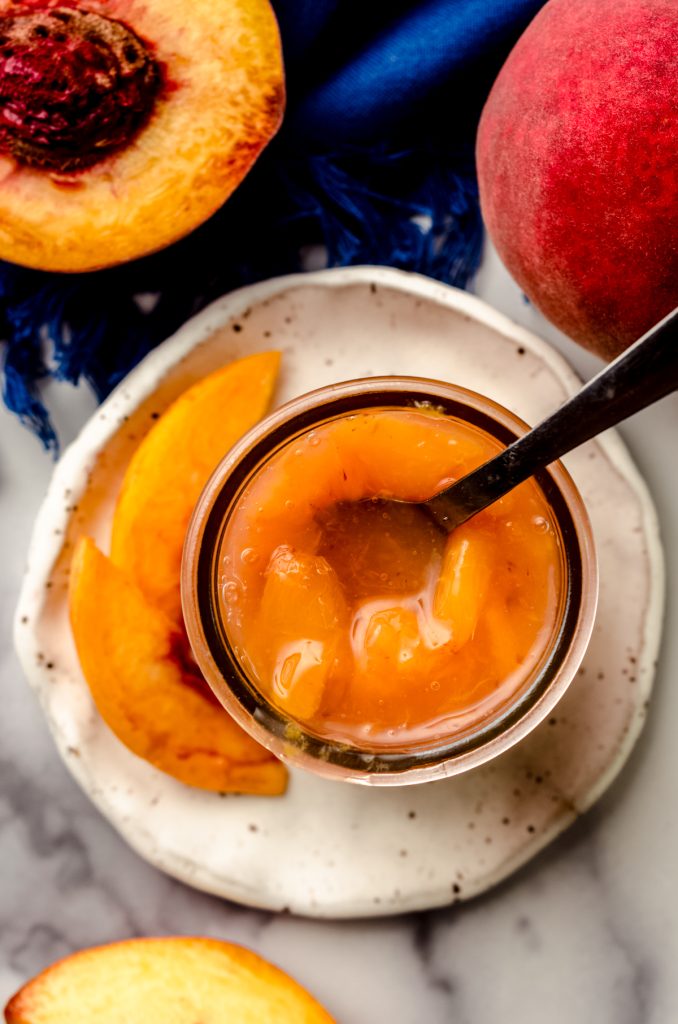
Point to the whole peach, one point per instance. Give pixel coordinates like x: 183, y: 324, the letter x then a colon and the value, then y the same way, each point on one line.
x: 578, y: 165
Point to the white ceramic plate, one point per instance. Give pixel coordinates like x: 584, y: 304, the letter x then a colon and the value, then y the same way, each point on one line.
x: 327, y: 848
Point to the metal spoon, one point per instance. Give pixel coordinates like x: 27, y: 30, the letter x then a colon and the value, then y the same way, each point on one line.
x: 644, y: 373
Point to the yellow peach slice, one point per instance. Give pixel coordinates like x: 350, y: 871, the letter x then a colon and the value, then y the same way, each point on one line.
x: 392, y: 646
x: 300, y: 676
x: 139, y: 673
x: 504, y: 644
x: 172, y: 465
x: 301, y: 620
x: 182, y: 980
x: 301, y: 596
x: 463, y: 583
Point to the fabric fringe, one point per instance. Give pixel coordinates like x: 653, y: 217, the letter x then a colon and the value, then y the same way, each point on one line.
x: 412, y: 209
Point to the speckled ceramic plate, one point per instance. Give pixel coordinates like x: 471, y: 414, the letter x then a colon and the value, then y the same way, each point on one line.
x: 327, y: 848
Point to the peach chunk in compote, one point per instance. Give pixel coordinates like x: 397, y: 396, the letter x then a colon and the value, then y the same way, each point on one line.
x: 357, y: 616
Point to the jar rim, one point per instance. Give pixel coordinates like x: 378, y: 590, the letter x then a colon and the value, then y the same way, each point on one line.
x: 288, y: 738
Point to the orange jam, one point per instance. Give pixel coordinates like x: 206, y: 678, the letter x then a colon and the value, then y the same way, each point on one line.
x: 358, y: 617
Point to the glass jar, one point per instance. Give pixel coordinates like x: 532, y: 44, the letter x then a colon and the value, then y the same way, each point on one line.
x: 535, y: 697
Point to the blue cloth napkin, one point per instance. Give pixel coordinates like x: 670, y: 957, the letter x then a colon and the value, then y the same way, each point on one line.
x: 374, y: 162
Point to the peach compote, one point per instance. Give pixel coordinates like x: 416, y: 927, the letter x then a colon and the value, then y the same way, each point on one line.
x: 356, y: 615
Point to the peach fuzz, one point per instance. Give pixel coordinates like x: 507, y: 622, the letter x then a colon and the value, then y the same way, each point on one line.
x: 576, y: 156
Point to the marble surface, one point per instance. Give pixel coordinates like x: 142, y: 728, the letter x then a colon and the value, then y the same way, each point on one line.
x: 584, y: 933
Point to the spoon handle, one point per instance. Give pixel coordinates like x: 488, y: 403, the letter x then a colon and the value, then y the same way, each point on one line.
x: 644, y: 373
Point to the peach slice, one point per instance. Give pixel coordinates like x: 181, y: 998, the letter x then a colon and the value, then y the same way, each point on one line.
x: 301, y: 618
x: 172, y: 465
x: 506, y: 645
x: 158, y: 110
x: 463, y: 583
x: 138, y: 669
x: 176, y: 980
x: 391, y: 646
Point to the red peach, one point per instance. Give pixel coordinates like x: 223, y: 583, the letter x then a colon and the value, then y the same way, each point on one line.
x: 578, y: 166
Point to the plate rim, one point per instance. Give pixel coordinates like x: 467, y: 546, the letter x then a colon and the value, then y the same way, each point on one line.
x: 70, y: 473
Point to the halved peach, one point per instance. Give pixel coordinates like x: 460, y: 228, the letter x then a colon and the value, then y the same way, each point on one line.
x: 140, y: 676
x: 178, y: 980
x: 124, y: 124
x: 172, y: 465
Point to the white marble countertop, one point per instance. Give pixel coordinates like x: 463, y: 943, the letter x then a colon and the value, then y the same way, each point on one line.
x: 586, y: 932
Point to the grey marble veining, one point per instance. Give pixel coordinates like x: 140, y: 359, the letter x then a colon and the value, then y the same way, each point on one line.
x: 586, y: 932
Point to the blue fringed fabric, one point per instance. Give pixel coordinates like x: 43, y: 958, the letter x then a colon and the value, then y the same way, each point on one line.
x: 374, y: 162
